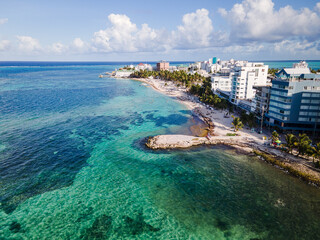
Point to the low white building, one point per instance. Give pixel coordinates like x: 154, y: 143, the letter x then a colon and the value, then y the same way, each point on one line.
x: 142, y: 66
x: 123, y: 73
x: 296, y: 70
x: 221, y: 83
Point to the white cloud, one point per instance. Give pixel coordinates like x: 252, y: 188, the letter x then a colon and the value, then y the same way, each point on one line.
x: 252, y: 48
x: 58, y: 48
x: 294, y: 46
x: 123, y: 35
x: 222, y: 12
x: 196, y: 30
x: 3, y: 20
x: 28, y: 44
x: 78, y: 43
x: 4, y: 45
x: 258, y: 20
x: 119, y: 37
x: 317, y: 7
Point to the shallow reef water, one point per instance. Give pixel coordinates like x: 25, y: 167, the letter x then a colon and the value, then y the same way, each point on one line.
x: 73, y: 165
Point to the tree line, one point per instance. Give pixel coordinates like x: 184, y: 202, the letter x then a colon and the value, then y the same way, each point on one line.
x: 301, y: 144
x: 179, y: 77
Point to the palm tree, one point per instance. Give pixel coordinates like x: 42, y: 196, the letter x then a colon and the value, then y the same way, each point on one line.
x: 275, y: 136
x: 237, y: 124
x: 291, y: 140
x: 316, y: 151
x: 303, y: 144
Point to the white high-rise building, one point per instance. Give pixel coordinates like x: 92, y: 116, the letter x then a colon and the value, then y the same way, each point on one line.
x: 244, y: 78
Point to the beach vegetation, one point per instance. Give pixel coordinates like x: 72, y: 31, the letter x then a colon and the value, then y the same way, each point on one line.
x: 290, y: 142
x: 248, y: 119
x: 236, y: 123
x: 231, y: 134
x: 303, y: 144
x: 275, y: 136
x: 315, y: 71
x: 273, y: 71
x: 272, y: 160
x: 205, y: 94
x: 179, y: 77
x: 314, y: 151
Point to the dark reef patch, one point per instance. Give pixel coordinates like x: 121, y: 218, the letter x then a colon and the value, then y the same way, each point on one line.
x: 100, y: 229
x: 41, y: 160
x: 222, y: 225
x: 172, y: 119
x: 137, y: 225
x: 15, y: 227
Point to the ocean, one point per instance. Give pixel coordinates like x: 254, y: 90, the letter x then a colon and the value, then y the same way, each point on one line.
x: 314, y: 64
x: 73, y: 165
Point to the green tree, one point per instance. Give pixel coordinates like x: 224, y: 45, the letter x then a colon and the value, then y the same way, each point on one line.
x: 275, y: 136
x: 290, y: 142
x: 237, y: 124
x: 303, y: 144
x: 273, y: 71
x: 316, y: 151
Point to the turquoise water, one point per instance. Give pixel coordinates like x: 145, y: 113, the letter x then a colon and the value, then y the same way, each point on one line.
x: 314, y: 64
x: 73, y: 166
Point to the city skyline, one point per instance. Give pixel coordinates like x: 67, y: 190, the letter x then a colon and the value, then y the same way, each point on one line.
x: 134, y: 31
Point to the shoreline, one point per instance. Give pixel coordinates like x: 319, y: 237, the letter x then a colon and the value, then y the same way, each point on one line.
x: 219, y: 125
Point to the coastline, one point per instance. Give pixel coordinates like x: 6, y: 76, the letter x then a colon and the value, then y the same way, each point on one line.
x: 246, y: 142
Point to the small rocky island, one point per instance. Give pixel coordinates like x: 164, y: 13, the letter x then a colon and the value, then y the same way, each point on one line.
x: 185, y: 141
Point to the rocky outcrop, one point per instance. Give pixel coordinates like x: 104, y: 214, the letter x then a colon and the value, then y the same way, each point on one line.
x: 174, y: 141
x: 184, y: 141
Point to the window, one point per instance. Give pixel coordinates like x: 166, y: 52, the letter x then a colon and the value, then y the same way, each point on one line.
x: 303, y: 119
x: 314, y: 107
x: 306, y: 94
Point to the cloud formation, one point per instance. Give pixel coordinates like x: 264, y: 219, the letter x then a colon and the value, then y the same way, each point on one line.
x: 3, y: 20
x: 28, y: 44
x: 4, y: 45
x: 258, y: 20
x: 196, y: 30
x: 253, y: 26
x: 58, y: 48
x: 125, y: 36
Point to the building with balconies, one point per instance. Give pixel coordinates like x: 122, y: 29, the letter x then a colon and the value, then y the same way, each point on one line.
x: 260, y: 103
x: 243, y: 80
x: 295, y: 103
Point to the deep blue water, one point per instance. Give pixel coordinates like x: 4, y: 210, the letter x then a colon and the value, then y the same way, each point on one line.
x: 73, y: 165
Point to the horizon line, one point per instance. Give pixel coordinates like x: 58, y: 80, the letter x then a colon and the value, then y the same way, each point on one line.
x: 124, y: 61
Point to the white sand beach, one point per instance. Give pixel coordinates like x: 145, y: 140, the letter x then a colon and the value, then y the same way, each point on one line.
x: 222, y: 124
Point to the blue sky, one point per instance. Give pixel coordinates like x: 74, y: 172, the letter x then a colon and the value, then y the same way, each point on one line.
x: 152, y: 30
